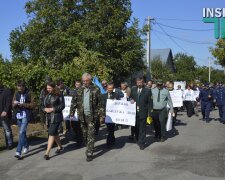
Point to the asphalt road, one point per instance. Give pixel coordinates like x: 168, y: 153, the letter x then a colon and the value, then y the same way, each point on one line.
x: 194, y: 151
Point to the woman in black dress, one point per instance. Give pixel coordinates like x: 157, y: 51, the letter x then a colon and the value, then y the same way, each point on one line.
x: 53, y: 106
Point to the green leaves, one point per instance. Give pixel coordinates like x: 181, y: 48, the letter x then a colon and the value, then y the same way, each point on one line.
x: 58, y: 29
x: 160, y: 70
x: 219, y: 52
x: 185, y: 67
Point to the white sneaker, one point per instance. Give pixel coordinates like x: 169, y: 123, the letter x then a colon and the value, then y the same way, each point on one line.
x: 18, y: 155
x: 25, y: 150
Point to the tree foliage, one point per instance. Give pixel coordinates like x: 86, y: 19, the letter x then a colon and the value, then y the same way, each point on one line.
x: 58, y: 29
x: 185, y: 67
x: 219, y: 52
x: 159, y: 70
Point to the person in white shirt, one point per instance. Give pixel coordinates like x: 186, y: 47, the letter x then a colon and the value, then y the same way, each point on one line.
x: 188, y: 98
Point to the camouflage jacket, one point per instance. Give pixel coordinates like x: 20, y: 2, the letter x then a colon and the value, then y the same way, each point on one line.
x: 96, y: 105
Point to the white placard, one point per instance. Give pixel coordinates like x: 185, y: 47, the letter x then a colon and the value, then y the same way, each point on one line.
x: 120, y: 112
x: 66, y: 111
x: 181, y: 83
x: 169, y: 122
x: 177, y: 99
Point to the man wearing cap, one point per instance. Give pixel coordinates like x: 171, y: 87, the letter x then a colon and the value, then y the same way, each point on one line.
x: 161, y: 97
x: 206, y: 99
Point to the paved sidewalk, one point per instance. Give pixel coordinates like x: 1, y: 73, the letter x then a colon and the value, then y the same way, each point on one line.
x: 195, y: 151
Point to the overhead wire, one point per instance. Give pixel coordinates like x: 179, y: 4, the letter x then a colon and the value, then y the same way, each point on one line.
x: 184, y: 40
x: 171, y: 38
x: 173, y: 19
x: 184, y: 29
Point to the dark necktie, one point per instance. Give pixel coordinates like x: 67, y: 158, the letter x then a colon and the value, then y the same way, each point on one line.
x: 158, y: 99
x: 138, y: 93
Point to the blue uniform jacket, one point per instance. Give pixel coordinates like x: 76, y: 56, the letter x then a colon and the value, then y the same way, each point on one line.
x: 204, y: 95
x: 220, y: 96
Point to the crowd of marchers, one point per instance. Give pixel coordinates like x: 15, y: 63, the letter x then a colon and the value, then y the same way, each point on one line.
x: 152, y: 99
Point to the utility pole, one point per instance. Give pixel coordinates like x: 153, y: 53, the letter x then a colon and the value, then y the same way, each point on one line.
x: 209, y: 69
x: 148, y: 55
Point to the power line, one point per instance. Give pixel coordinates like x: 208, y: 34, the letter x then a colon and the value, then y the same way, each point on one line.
x: 175, y: 41
x: 184, y: 29
x: 159, y: 38
x: 185, y: 40
x: 168, y: 19
x: 171, y: 38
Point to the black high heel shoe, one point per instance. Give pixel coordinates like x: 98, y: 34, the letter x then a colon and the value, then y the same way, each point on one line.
x: 58, y: 151
x: 46, y: 157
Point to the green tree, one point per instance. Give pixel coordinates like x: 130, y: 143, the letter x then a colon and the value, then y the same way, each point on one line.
x: 106, y: 30
x: 58, y: 29
x: 219, y: 52
x: 185, y: 67
x: 52, y: 34
x: 159, y: 70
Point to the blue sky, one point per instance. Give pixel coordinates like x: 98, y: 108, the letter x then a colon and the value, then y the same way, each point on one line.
x: 12, y: 15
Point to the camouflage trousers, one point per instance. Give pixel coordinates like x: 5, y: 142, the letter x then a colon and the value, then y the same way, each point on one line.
x: 88, y: 129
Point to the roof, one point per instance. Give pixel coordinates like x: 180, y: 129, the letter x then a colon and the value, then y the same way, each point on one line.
x: 163, y: 54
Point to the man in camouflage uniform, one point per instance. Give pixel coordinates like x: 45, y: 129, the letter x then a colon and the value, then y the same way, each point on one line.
x: 87, y: 101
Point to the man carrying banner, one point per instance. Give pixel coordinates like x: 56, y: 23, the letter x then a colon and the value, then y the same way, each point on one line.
x: 87, y: 101
x: 143, y: 98
x: 110, y: 126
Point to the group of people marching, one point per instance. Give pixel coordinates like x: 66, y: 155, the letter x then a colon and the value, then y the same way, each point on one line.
x: 151, y: 98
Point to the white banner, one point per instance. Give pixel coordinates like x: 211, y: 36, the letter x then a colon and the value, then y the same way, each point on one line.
x: 181, y: 83
x: 66, y: 111
x: 176, y: 96
x: 120, y: 112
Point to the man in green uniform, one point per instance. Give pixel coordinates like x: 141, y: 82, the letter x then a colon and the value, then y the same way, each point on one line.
x: 87, y: 101
x: 161, y: 97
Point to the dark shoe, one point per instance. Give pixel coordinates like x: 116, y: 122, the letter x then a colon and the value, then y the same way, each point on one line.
x: 58, y: 151
x: 89, y: 158
x: 79, y: 145
x: 157, y: 138
x: 142, y: 147
x: 46, y: 157
x: 10, y: 147
x: 131, y: 137
x: 110, y: 145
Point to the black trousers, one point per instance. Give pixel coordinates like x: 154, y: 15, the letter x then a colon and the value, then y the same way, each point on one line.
x: 78, y: 131
x: 159, y: 121
x: 140, y: 130
x: 175, y: 110
x: 68, y: 125
x: 189, y: 107
x: 111, y: 137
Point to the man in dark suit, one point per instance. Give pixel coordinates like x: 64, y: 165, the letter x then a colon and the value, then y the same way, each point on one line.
x: 144, y: 104
x: 110, y: 126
